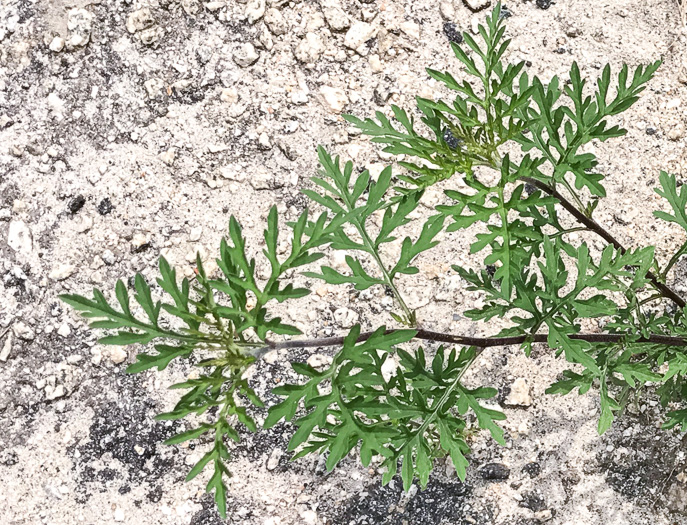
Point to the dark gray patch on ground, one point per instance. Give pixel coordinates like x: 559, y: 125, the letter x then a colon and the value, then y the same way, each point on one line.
x: 440, y: 503
x: 124, y: 429
x: 643, y: 474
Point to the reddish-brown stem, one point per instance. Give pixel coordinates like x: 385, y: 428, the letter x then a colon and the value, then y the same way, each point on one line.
x: 594, y: 226
x: 481, y: 342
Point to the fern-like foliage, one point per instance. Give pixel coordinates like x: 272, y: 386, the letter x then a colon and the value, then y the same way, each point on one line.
x: 413, y: 416
x: 510, y: 151
x: 342, y: 192
x: 223, y: 320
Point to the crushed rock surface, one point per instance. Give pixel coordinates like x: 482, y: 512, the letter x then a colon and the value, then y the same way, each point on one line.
x: 130, y: 130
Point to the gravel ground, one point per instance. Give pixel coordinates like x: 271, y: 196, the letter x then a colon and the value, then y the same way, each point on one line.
x: 130, y: 130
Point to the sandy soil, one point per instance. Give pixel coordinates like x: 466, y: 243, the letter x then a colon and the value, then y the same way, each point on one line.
x: 126, y: 134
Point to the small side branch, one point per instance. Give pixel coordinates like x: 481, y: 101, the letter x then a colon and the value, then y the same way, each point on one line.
x: 594, y: 226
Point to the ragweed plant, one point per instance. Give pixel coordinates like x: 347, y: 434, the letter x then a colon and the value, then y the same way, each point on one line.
x: 535, y: 276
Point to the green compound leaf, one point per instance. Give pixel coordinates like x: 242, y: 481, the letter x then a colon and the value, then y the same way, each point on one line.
x: 343, y: 193
x: 393, y: 416
x: 676, y: 198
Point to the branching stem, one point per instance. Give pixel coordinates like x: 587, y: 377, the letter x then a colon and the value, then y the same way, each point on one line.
x: 594, y: 226
x: 481, y: 342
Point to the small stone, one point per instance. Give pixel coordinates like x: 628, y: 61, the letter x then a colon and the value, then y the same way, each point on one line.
x: 519, y: 394
x: 308, y: 516
x: 276, y: 22
x: 56, y: 103
x: 358, y: 34
x: 117, y: 354
x: 204, y: 54
x: 375, y: 64
x: 229, y: 96
x: 76, y: 40
x: 236, y: 110
x: 677, y: 132
x: 265, y: 40
x: 369, y: 14
x: 447, y: 9
x: 381, y: 93
x: 411, y: 29
x: 191, y: 7
x: 55, y: 393
x: 6, y: 348
x: 299, y: 97
x: 309, y: 49
x: 76, y: 203
x: 64, y: 330
x: 682, y: 75
x: 96, y: 356
x: 287, y: 149
x: 108, y: 257
x: 262, y: 180
x: 18, y: 206
x: 533, y: 501
x: 5, y: 122
x: 62, y: 272
x: 453, y: 33
x: 151, y: 35
x: 319, y: 361
x: 56, y: 44
x: 572, y: 30
x: 119, y: 514
x: 255, y: 10
x: 140, y: 241
x: 338, y: 260
x: 232, y: 173
x: 273, y: 461
x: 271, y: 357
x: 19, y: 237
x: 543, y: 515
x: 544, y: 4
x: 168, y: 156
x: 105, y: 206
x: 345, y: 317
x: 477, y: 5
x: 139, y: 20
x: 80, y: 25
x: 495, y: 472
x: 195, y: 234
x: 532, y: 469
x: 336, y: 17
x: 246, y: 55
x: 264, y: 141
x: 334, y: 98
x: 154, y: 87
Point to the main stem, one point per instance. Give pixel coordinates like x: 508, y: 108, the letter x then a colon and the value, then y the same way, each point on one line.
x: 481, y: 342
